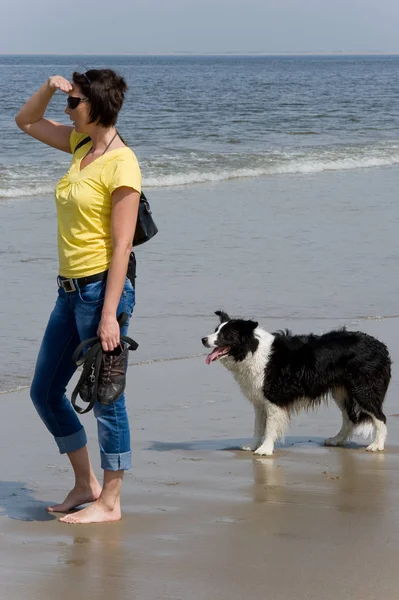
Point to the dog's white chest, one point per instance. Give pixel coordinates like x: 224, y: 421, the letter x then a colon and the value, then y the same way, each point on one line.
x: 250, y: 373
x: 250, y: 388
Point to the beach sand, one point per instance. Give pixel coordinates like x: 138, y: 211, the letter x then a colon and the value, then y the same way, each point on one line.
x: 203, y: 520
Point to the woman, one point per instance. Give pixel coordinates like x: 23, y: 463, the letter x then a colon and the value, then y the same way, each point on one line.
x: 97, y: 204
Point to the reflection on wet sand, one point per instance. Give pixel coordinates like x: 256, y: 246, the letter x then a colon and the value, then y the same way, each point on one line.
x: 92, y: 559
x: 341, y: 478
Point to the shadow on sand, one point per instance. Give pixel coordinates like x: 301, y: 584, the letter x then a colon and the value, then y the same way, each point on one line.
x: 17, y: 502
x: 236, y: 444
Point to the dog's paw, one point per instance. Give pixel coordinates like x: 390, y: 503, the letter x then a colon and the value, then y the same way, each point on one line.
x: 264, y: 451
x: 374, y: 447
x: 333, y: 441
x: 252, y: 446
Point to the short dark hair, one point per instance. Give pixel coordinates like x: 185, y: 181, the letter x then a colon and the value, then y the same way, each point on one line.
x: 105, y: 90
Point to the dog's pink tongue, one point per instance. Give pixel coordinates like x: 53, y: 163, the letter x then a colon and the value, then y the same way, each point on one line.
x: 212, y: 356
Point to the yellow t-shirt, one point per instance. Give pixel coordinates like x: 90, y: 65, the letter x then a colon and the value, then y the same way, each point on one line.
x: 84, y: 204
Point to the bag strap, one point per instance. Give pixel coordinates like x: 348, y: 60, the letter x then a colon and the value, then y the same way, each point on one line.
x: 86, y: 140
x: 91, y: 362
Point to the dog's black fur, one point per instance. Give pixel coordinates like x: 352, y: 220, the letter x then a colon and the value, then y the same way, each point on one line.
x: 313, y: 365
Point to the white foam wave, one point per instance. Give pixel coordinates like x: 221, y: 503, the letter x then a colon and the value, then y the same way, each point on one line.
x: 338, y: 165
x: 19, y: 192
x: 195, y: 168
x: 288, y: 168
x: 198, y: 177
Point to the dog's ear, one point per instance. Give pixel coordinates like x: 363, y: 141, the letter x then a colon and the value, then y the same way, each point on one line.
x: 222, y: 316
x: 252, y: 325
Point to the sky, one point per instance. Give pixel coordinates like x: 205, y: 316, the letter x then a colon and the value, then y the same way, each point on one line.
x: 201, y: 26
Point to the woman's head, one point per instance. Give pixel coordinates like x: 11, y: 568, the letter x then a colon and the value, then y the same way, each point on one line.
x: 101, y: 93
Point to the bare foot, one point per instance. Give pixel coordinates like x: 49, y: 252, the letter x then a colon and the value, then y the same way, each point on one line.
x: 96, y: 513
x: 79, y: 495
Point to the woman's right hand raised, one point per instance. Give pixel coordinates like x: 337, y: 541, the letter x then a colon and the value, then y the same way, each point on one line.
x: 31, y: 116
x: 57, y: 82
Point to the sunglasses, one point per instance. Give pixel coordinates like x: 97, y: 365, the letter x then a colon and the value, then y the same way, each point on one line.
x: 87, y: 79
x: 74, y: 101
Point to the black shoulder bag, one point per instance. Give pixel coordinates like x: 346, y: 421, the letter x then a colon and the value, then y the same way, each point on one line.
x: 145, y: 226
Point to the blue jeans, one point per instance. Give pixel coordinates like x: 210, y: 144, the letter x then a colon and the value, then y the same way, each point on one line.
x: 75, y: 317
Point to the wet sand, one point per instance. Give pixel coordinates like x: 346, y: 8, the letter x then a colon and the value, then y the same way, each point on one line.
x: 203, y: 520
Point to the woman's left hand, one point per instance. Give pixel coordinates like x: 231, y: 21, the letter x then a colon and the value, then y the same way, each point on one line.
x: 109, y: 333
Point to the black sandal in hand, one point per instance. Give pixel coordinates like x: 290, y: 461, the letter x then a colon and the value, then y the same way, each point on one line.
x: 103, y: 378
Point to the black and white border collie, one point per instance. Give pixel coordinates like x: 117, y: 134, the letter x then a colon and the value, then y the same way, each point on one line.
x: 281, y: 373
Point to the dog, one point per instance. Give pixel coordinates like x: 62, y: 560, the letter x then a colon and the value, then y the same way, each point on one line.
x: 282, y: 373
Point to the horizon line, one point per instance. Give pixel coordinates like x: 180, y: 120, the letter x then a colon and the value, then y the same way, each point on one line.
x: 222, y: 53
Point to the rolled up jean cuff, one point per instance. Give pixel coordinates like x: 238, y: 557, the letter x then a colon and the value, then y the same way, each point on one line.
x: 71, y: 443
x: 116, y: 462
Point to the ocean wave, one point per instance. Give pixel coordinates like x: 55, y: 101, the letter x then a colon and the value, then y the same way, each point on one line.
x: 17, y: 192
x: 171, y: 169
x: 292, y: 167
x: 198, y: 177
x: 30, y: 179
